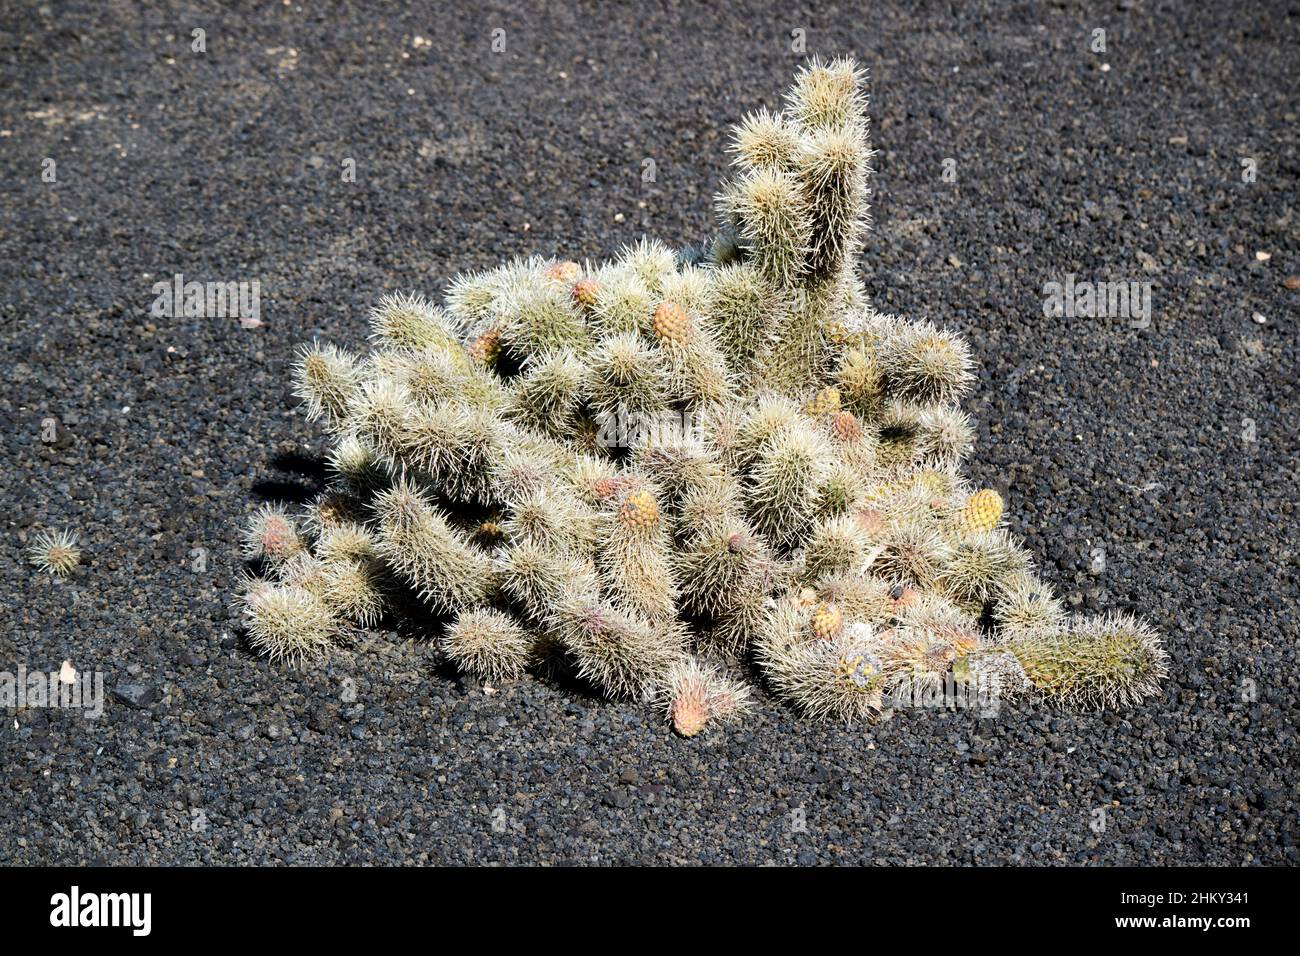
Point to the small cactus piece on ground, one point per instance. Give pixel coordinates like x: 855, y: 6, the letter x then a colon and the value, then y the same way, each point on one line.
x: 1109, y: 662
x: 54, y: 551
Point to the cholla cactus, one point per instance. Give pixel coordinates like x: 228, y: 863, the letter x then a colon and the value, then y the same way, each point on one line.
x: 287, y: 622
x: 693, y: 694
x: 54, y: 551
x: 1113, y: 661
x: 726, y: 451
x: 489, y: 644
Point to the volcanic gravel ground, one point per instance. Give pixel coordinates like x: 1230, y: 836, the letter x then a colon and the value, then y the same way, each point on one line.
x: 227, y: 166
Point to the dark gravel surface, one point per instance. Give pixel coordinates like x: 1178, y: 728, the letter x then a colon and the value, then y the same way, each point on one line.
x: 226, y: 166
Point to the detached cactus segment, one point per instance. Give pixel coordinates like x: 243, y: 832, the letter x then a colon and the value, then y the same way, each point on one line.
x: 1111, y: 662
x: 636, y: 465
x: 54, y: 551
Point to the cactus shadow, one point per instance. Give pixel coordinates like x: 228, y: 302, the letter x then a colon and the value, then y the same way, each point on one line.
x: 406, y: 616
x: 557, y: 672
x: 304, y: 478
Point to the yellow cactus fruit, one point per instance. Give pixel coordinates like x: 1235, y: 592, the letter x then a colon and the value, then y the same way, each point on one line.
x: 486, y: 347
x: 585, y: 292
x: 827, y: 622
x: 982, y: 511
x: 672, y: 324
x: 564, y: 272
x: 859, y: 669
x: 846, y: 427
x: 639, y: 512
x: 825, y: 402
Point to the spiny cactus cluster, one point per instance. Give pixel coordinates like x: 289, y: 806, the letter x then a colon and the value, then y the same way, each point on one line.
x: 657, y: 470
